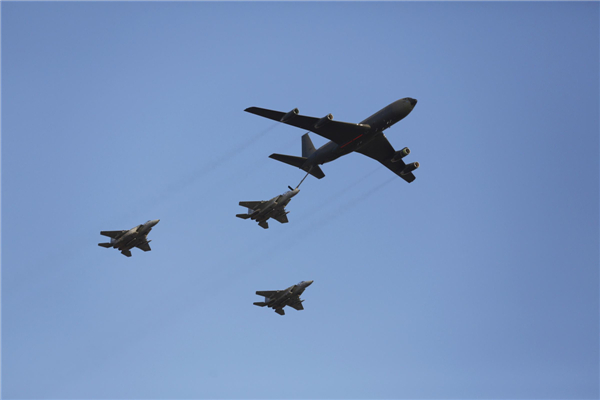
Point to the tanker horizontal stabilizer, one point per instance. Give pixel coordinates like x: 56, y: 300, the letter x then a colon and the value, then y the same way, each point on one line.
x: 298, y: 162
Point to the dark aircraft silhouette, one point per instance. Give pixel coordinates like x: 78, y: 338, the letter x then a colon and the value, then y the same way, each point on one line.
x: 128, y: 239
x: 277, y: 299
x: 261, y: 211
x: 366, y: 138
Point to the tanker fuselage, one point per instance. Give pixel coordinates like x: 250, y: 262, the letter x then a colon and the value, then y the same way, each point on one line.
x: 378, y: 122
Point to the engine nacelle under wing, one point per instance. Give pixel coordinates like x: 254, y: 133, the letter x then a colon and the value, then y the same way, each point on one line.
x: 400, y: 154
x: 323, y: 121
x: 287, y: 117
x: 410, y: 168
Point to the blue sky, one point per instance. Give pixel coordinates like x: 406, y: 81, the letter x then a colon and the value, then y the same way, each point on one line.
x: 478, y: 280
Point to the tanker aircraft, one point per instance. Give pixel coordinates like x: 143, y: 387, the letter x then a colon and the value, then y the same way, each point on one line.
x: 366, y: 138
x: 277, y: 299
x: 126, y: 240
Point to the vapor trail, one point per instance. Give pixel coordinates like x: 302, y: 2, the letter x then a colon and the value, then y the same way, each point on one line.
x: 253, y: 167
x: 206, y: 168
x: 341, y: 210
x: 330, y: 200
x: 211, y: 165
x: 233, y: 267
x: 291, y: 239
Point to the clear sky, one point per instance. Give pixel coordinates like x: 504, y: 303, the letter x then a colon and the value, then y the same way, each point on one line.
x: 478, y: 280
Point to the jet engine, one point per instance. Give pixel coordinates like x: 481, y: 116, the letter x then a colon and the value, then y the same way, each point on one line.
x: 410, y: 168
x: 289, y: 115
x: 323, y: 121
x: 400, y: 154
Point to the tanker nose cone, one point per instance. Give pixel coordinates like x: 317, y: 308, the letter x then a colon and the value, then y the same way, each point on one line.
x: 413, y: 102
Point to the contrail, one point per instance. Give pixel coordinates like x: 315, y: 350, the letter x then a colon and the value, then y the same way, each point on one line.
x: 260, y: 162
x: 329, y: 200
x: 352, y: 203
x: 210, y: 166
x: 365, y: 195
x: 235, y: 267
x: 206, y: 168
x: 333, y: 214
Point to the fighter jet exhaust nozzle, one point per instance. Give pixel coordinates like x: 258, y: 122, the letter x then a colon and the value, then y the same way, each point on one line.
x: 325, y: 120
x: 400, y: 154
x: 289, y: 115
x: 410, y: 168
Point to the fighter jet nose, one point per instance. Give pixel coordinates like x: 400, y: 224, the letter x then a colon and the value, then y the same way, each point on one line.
x: 413, y: 102
x: 308, y: 283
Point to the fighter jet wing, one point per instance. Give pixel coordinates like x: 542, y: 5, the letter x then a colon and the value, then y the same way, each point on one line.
x: 112, y: 234
x: 282, y: 218
x: 253, y: 205
x: 381, y: 150
x: 298, y: 305
x: 268, y: 293
x: 336, y: 131
x: 145, y: 247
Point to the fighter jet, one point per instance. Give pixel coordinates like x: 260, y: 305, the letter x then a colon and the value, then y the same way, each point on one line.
x: 261, y: 211
x: 366, y: 138
x: 126, y: 240
x: 277, y: 299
